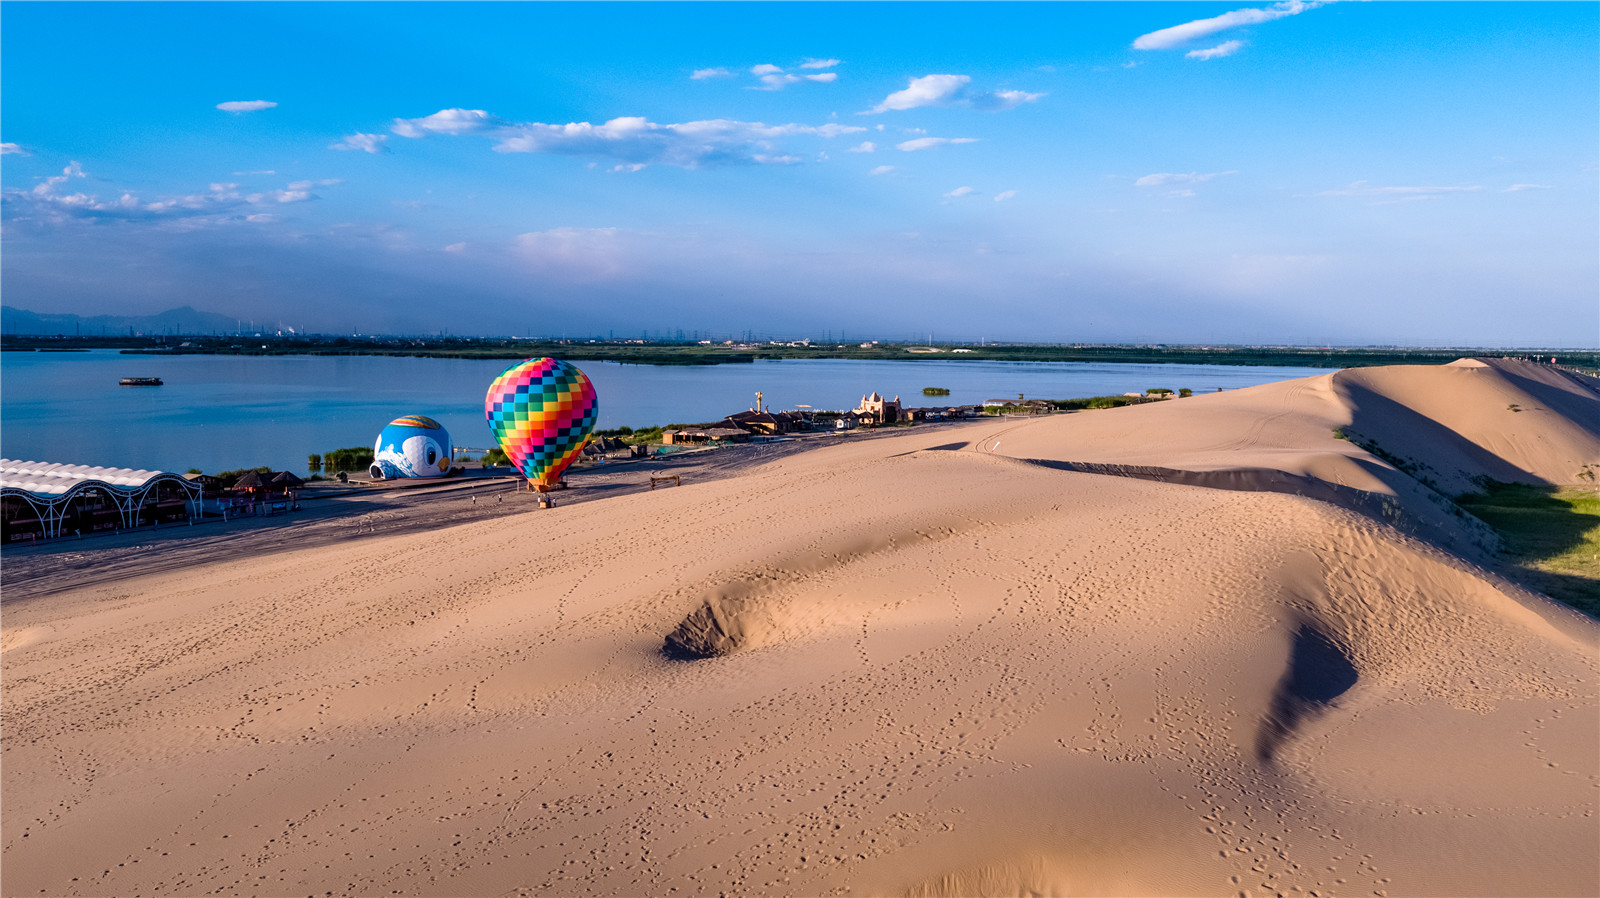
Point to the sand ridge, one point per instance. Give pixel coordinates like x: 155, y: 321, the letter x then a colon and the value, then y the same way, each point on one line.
x: 1396, y: 444
x: 979, y: 672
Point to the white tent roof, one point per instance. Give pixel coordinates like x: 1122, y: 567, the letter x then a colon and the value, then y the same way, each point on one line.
x: 54, y: 479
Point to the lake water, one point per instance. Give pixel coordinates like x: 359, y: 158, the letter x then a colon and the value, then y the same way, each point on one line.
x: 220, y: 412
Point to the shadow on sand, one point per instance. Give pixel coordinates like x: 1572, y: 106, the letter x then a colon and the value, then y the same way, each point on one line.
x: 1319, y: 672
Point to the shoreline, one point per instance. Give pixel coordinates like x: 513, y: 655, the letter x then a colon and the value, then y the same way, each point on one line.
x: 684, y: 354
x: 336, y: 514
x: 206, y: 428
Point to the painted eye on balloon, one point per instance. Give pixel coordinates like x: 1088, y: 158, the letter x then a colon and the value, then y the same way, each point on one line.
x: 410, y: 446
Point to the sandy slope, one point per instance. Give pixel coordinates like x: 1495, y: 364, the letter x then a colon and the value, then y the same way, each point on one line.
x: 963, y: 673
x: 1445, y: 425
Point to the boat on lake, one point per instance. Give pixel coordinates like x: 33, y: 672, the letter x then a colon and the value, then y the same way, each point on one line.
x: 140, y: 382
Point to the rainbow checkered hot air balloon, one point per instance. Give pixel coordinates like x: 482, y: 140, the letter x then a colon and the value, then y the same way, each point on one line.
x: 541, y: 412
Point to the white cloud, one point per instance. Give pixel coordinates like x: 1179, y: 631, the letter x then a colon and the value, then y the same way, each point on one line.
x: 48, y: 186
x: 930, y: 90
x: 266, y: 171
x: 245, y: 105
x: 1163, y: 178
x: 778, y: 82
x: 928, y: 143
x: 833, y: 130
x: 1004, y: 99
x: 456, y: 248
x: 1177, y: 35
x: 280, y: 196
x: 1516, y: 187
x: 219, y: 201
x: 632, y: 141
x: 774, y: 78
x: 1226, y: 48
x: 1396, y: 194
x: 446, y: 121
x: 366, y: 143
x: 959, y: 191
x: 866, y: 146
x: 11, y: 149
x: 581, y: 254
x: 882, y: 170
x: 950, y: 90
x: 1004, y: 195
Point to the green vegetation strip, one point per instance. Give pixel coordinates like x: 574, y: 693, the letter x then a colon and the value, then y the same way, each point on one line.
x: 681, y: 353
x: 1552, y: 536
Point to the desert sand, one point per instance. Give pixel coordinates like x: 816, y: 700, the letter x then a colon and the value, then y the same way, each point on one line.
x: 1197, y: 647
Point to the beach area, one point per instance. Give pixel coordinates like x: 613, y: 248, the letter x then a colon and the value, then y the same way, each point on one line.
x: 1241, y: 643
x: 345, y: 514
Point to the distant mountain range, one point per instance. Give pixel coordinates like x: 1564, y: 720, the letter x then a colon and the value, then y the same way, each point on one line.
x: 186, y: 320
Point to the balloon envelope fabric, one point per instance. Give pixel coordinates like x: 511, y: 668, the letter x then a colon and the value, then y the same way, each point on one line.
x: 412, y: 446
x: 541, y: 412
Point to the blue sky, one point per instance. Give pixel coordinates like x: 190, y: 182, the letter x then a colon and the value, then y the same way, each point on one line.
x: 1212, y: 172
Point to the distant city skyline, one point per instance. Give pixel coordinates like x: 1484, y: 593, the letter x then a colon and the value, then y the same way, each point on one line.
x: 1295, y: 172
x: 186, y: 323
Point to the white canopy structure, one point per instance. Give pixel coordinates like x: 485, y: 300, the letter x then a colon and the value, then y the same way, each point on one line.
x: 50, y: 488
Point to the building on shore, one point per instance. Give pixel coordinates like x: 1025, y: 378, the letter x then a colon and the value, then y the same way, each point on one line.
x: 41, y: 500
x: 875, y: 409
x: 695, y: 437
x: 1018, y: 406
x: 764, y: 423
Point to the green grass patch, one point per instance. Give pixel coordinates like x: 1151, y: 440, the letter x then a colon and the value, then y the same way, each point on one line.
x: 1551, y: 535
x: 1068, y: 405
x: 353, y: 458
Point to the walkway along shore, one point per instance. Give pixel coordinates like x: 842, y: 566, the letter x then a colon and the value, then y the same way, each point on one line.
x: 335, y: 513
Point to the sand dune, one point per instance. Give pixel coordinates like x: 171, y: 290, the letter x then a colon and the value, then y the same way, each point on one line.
x: 949, y: 663
x: 1394, y: 443
x: 1511, y: 421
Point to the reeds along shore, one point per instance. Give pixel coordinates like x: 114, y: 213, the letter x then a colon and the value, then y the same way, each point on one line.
x: 1193, y: 647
